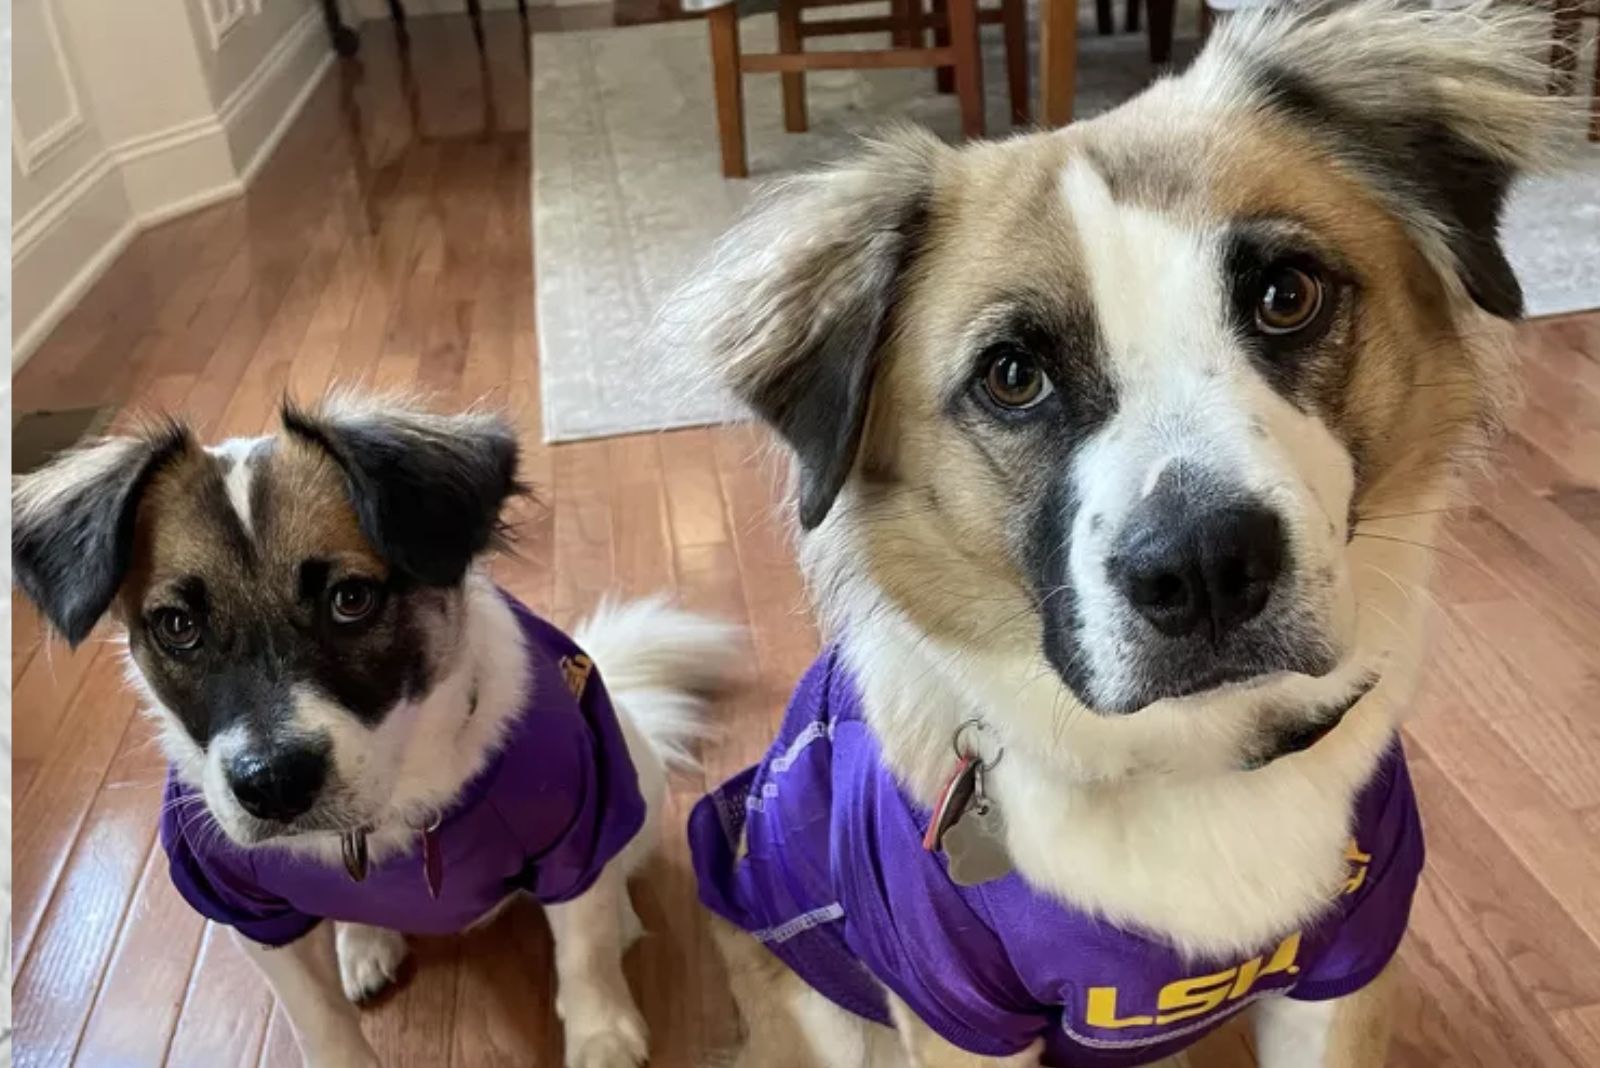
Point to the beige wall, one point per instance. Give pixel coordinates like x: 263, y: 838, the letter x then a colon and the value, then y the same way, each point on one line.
x: 130, y: 113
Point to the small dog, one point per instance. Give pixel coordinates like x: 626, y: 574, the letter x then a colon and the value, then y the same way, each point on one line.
x: 1117, y: 451
x: 360, y: 726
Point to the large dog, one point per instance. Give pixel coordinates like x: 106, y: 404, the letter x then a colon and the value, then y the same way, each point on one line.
x: 1117, y: 454
x: 360, y: 726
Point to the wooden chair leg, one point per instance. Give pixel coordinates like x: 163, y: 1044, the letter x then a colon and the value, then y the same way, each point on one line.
x: 1058, y: 60
x: 900, y: 36
x: 729, y: 87
x: 943, y: 77
x: 1014, y: 23
x: 1161, y: 12
x: 968, y: 66
x: 794, y: 85
x: 1130, y: 24
x: 916, y: 36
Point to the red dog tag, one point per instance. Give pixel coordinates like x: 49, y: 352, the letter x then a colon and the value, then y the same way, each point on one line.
x: 953, y: 801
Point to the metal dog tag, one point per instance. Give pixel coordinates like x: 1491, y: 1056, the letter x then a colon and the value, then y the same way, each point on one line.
x: 976, y: 845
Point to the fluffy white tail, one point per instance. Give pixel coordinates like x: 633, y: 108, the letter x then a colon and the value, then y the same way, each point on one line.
x: 660, y: 663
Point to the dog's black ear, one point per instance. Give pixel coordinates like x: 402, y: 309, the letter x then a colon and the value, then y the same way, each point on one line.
x: 72, y: 525
x: 427, y: 489
x: 1437, y: 111
x: 792, y: 307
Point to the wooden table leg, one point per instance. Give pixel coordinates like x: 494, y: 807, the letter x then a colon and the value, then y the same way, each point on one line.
x: 1161, y: 15
x: 1058, y: 60
x: 729, y: 86
x: 794, y: 85
x: 1105, y: 19
x: 345, y: 41
x: 969, y: 64
x: 943, y: 77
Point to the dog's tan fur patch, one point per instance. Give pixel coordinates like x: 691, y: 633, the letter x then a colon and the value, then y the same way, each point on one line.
x: 188, y: 526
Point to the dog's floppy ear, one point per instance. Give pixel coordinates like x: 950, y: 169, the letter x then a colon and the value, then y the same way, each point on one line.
x: 427, y: 489
x: 792, y: 306
x: 1438, y: 111
x: 72, y: 524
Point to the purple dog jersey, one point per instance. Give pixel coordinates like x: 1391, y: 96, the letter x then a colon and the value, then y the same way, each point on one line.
x: 545, y: 815
x: 818, y: 854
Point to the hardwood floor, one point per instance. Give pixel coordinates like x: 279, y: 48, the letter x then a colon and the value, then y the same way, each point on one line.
x: 387, y: 240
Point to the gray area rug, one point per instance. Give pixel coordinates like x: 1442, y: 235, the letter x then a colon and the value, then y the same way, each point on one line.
x: 628, y: 195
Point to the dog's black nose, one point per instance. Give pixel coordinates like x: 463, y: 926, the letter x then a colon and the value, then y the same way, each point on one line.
x: 280, y: 784
x: 1186, y: 563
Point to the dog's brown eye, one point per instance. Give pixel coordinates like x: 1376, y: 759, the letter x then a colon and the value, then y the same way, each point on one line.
x: 1015, y: 380
x: 176, y: 629
x: 352, y: 600
x: 1290, y: 299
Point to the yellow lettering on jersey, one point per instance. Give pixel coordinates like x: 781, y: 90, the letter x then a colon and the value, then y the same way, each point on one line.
x: 1249, y: 972
x: 1358, y: 862
x: 1283, y: 957
x: 1187, y: 998
x: 1193, y: 997
x: 1102, y: 1010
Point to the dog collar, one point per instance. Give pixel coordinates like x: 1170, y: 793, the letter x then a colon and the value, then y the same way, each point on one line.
x: 353, y: 843
x: 1298, y: 737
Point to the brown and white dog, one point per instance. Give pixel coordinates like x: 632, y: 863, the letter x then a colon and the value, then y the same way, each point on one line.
x: 1128, y: 441
x: 309, y: 625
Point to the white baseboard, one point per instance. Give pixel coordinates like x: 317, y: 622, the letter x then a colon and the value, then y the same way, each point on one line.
x: 177, y: 171
x: 69, y: 285
x: 69, y: 240
x: 200, y: 198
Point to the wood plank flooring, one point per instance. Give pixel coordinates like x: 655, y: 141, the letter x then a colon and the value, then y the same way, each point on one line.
x: 387, y: 241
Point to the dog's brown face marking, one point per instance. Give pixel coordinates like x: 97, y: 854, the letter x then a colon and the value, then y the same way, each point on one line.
x: 251, y: 546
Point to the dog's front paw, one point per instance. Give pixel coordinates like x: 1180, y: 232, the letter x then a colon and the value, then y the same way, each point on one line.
x: 369, y: 960
x: 623, y: 1042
